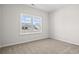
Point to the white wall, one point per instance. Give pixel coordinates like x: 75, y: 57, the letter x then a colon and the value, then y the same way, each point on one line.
x: 65, y: 24
x: 11, y: 25
x: 0, y: 25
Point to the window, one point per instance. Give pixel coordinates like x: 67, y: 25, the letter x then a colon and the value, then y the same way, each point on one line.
x: 26, y: 22
x: 30, y: 24
x: 37, y: 24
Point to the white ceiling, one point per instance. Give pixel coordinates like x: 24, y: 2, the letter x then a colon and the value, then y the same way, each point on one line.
x: 48, y: 7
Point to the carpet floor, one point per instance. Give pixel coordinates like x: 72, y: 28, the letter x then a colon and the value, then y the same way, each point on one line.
x: 45, y: 46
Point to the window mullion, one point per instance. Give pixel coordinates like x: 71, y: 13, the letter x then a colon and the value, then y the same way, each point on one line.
x: 32, y: 22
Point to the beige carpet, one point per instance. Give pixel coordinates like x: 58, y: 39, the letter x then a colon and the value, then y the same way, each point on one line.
x: 45, y: 46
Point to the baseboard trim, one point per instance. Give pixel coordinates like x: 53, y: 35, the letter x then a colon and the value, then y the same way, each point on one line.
x: 66, y: 41
x: 12, y: 44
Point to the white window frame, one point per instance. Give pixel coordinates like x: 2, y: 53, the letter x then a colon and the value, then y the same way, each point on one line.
x: 31, y: 32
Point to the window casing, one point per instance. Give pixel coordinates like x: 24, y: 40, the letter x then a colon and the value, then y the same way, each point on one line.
x: 30, y: 24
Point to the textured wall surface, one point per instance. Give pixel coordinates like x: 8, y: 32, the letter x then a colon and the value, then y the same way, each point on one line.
x: 0, y: 25
x: 65, y: 24
x: 11, y: 24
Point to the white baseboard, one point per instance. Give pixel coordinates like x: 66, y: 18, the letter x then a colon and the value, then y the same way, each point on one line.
x: 14, y: 43
x: 61, y: 39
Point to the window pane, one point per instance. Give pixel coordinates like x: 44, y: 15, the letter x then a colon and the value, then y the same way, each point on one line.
x: 25, y: 19
x: 37, y: 23
x: 26, y: 22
